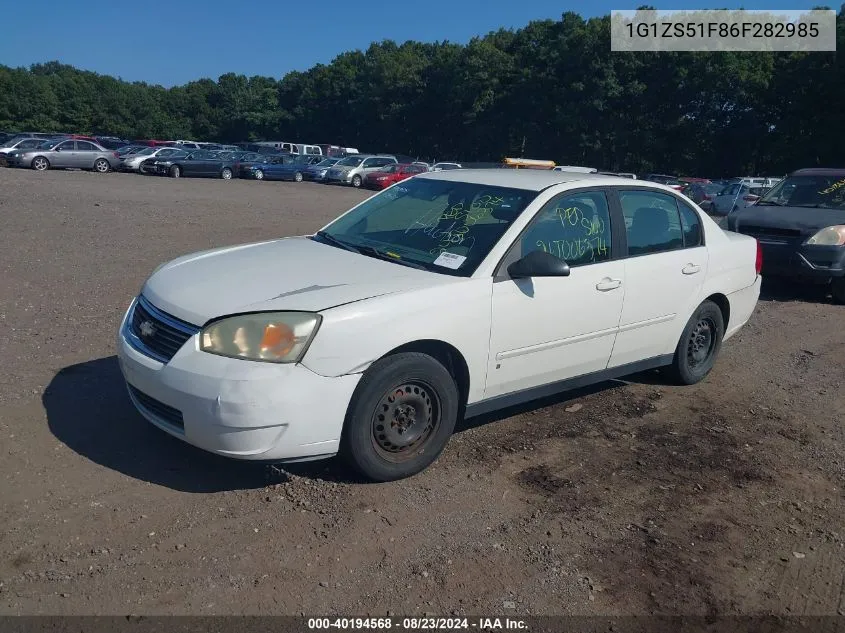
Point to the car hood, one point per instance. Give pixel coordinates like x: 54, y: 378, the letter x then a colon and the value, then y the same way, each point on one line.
x: 804, y: 219
x: 295, y: 273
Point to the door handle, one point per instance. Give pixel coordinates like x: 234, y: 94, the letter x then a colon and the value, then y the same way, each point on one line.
x: 691, y: 269
x: 608, y: 284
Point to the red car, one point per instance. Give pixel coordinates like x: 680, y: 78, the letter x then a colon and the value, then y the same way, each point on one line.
x: 391, y: 174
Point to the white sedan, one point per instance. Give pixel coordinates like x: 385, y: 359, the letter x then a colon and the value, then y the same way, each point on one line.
x: 133, y: 161
x: 449, y: 294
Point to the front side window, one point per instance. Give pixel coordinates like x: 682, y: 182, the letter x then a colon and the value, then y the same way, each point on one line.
x: 573, y: 227
x: 67, y: 146
x: 652, y: 222
x: 438, y: 225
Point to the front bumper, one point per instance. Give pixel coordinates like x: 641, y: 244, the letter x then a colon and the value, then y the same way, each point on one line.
x: 376, y: 185
x: 235, y: 408
x: 345, y: 178
x: 804, y: 263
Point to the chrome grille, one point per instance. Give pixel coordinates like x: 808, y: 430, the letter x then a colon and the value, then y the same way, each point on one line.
x: 156, y: 409
x: 156, y: 333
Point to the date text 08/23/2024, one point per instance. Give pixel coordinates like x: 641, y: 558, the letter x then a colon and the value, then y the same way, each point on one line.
x: 417, y: 624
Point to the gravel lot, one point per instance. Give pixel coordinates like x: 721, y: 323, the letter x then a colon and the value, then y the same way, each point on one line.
x: 629, y: 498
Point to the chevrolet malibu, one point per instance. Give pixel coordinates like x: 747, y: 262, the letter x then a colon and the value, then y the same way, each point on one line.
x: 451, y: 294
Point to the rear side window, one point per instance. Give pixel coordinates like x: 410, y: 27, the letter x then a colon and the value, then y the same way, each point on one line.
x: 691, y: 225
x: 652, y: 222
x: 85, y: 146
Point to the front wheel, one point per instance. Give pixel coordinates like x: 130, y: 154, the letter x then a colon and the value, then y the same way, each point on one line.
x: 226, y: 174
x: 356, y: 181
x: 101, y: 166
x: 837, y: 289
x: 699, y: 346
x: 39, y: 163
x: 400, y: 417
x: 297, y: 176
x: 175, y: 172
x: 259, y: 174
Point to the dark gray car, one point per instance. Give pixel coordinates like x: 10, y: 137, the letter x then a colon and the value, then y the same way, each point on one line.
x: 73, y: 154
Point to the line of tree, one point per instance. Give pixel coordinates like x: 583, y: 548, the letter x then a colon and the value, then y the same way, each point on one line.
x: 552, y: 89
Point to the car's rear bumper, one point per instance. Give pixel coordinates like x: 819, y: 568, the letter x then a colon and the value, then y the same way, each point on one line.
x: 742, y: 304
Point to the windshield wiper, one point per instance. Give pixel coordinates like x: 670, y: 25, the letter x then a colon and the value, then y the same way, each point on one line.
x: 774, y: 203
x: 336, y: 242
x: 369, y: 251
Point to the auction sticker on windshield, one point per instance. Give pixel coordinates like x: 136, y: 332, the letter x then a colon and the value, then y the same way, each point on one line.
x: 449, y: 260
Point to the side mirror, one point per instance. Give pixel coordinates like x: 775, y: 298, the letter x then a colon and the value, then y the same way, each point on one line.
x: 57, y: 149
x: 538, y: 264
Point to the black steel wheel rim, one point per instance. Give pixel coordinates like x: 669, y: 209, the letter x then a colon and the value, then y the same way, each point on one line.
x: 702, y: 342
x: 406, y: 417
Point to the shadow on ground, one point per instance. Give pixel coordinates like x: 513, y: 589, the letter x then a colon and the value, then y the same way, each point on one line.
x: 89, y: 410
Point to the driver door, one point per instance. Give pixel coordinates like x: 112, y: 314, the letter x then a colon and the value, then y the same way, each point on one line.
x: 64, y: 155
x: 548, y: 329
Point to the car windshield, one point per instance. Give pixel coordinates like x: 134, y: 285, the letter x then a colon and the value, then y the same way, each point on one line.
x: 147, y: 151
x: 712, y: 188
x: 349, y: 161
x: 11, y: 142
x: 442, y: 226
x: 808, y: 191
x: 328, y: 162
x: 391, y: 169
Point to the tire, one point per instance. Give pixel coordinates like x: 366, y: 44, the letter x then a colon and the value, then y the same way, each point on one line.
x: 226, y: 174
x: 837, y: 289
x: 39, y: 163
x: 102, y: 166
x: 297, y: 177
x: 356, y: 181
x: 403, y: 387
x: 175, y: 171
x: 259, y: 174
x: 699, y: 346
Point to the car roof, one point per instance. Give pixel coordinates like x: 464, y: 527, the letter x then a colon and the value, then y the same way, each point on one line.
x: 531, y: 179
x: 819, y: 171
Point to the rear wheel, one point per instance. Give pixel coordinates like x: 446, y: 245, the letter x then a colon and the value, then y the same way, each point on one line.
x: 298, y: 176
x: 400, y: 417
x: 39, y: 163
x: 699, y: 346
x: 175, y: 171
x: 356, y: 181
x: 101, y: 165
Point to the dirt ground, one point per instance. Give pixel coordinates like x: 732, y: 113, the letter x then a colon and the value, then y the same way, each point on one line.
x: 630, y: 498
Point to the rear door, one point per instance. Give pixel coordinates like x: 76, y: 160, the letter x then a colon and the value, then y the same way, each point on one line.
x: 665, y: 268
x: 85, y: 154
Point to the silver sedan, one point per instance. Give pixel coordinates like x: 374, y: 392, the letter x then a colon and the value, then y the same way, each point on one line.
x: 63, y: 154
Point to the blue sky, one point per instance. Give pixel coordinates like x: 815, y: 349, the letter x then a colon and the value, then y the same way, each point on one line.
x: 172, y: 42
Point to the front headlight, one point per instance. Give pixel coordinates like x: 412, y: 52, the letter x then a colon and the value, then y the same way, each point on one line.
x: 276, y: 337
x: 830, y: 236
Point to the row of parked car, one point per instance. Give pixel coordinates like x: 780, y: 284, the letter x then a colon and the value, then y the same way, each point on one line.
x: 374, y: 171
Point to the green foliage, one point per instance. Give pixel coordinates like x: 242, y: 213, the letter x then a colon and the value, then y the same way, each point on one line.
x: 554, y: 84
